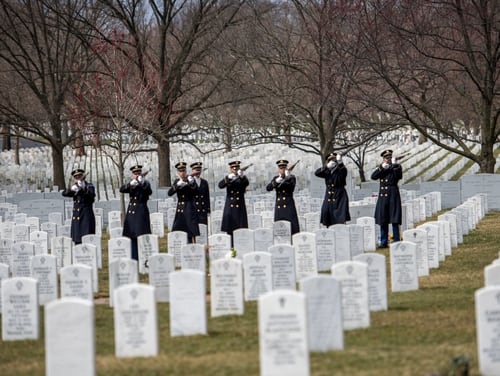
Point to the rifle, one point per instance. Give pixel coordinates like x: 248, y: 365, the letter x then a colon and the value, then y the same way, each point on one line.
x: 293, y: 166
x: 244, y: 168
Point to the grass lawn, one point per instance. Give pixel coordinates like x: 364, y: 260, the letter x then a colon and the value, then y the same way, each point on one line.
x: 424, y: 332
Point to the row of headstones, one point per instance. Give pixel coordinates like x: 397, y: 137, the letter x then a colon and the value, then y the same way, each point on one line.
x: 302, y: 255
x: 487, y: 315
x: 290, y: 323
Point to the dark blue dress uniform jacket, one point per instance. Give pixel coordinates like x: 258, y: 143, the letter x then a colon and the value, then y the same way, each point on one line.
x: 284, y: 207
x: 137, y: 221
x: 185, y: 216
x: 202, y: 201
x: 335, y: 208
x: 83, y: 218
x: 388, y: 208
x: 234, y: 215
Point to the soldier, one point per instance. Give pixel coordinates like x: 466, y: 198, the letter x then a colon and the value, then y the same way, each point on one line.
x: 202, y: 196
x: 234, y: 215
x: 388, y: 208
x: 284, y: 184
x: 185, y: 216
x: 137, y: 221
x: 335, y: 208
x: 83, y: 193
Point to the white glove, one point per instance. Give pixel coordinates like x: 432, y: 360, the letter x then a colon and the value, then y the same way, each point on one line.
x: 278, y: 179
x: 133, y: 183
x: 231, y: 176
x: 190, y: 179
x: 393, y: 160
x: 240, y: 172
x: 339, y: 158
x: 331, y: 164
x: 385, y: 165
x: 140, y: 178
x: 80, y: 183
x: 75, y: 188
x: 181, y: 183
x: 287, y: 173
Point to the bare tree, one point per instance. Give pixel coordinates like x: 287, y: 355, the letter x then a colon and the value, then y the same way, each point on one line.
x: 306, y: 63
x: 439, y: 62
x: 109, y: 106
x: 40, y: 60
x: 171, y: 46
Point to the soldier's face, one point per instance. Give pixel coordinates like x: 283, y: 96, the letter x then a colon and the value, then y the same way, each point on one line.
x: 181, y: 173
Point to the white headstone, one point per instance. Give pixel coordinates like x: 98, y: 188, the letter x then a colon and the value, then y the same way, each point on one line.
x: 147, y: 245
x: 21, y: 258
x: 97, y: 241
x: 369, y: 233
x: 452, y: 219
x: 86, y: 254
x: 356, y: 239
x: 160, y: 267
x: 40, y: 240
x: 4, y: 274
x: 487, y: 301
x: 21, y: 233
x: 157, y: 225
x: 432, y: 243
x: 6, y: 251
x: 121, y: 272
x: 342, y: 242
x: 188, y: 314
x: 243, y: 239
x: 176, y: 239
x: 324, y: 313
x: 135, y: 321
x: 377, y: 280
x: 193, y: 257
x: 325, y: 248
x: 51, y: 229
x: 306, y: 263
x: 257, y: 274
x: 226, y: 287
x: 283, y: 267
x: 282, y: 232
x: 263, y: 239
x: 404, y: 272
x: 44, y: 270
x: 492, y: 275
x: 70, y: 338
x: 219, y: 246
x: 62, y: 248
x: 283, y: 344
x: 119, y: 247
x: 76, y: 281
x: 419, y: 237
x: 353, y: 278
x: 20, y: 314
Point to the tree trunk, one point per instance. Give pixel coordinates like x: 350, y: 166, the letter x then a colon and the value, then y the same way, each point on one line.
x: 487, y: 161
x: 58, y: 167
x: 164, y: 178
x: 228, y: 139
x: 17, y: 159
x: 6, y: 138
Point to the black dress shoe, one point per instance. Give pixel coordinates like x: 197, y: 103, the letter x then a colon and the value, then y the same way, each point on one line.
x: 382, y: 246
